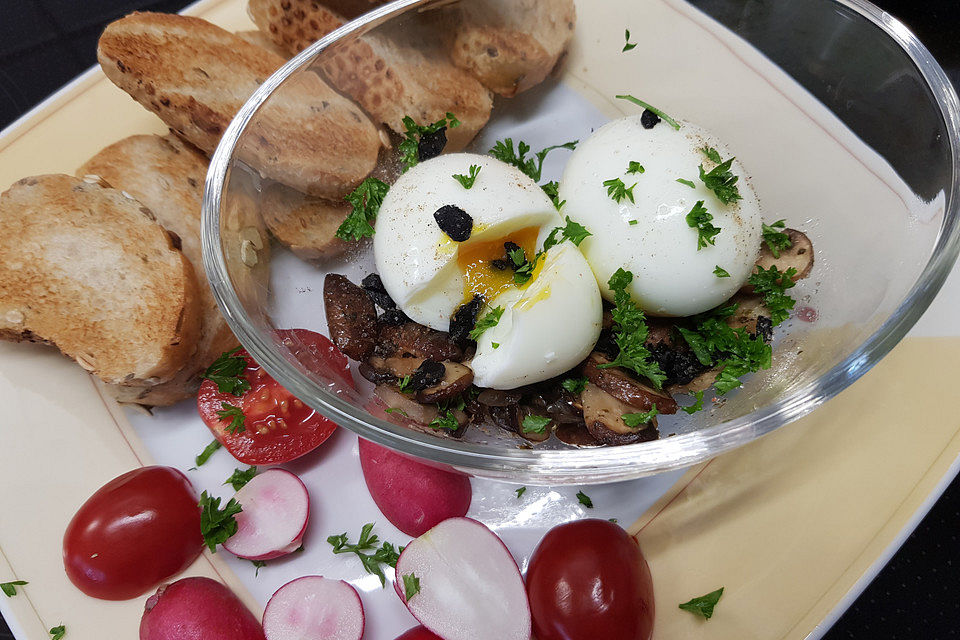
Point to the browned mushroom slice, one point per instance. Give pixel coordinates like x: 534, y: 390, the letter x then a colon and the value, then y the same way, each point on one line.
x: 406, y: 406
x: 576, y: 435
x: 351, y: 317
x: 798, y: 256
x: 457, y: 379
x: 701, y: 383
x: 417, y: 340
x: 624, y: 388
x: 454, y: 378
x: 603, y: 415
x: 751, y: 315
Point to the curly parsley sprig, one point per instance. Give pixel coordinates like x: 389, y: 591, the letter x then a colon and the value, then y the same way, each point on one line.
x: 504, y: 151
x: 385, y: 554
x: 631, y: 333
x: 366, y: 201
x: 702, y: 220
x: 410, y: 146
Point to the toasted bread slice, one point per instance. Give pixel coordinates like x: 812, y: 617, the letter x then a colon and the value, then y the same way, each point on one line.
x: 512, y: 45
x: 89, y: 270
x: 196, y: 76
x: 259, y: 38
x: 391, y: 73
x: 306, y: 224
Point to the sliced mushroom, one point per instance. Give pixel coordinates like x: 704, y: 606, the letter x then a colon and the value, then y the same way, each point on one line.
x: 700, y: 383
x: 351, y: 317
x: 799, y: 255
x: 603, y: 415
x: 456, y: 380
x: 455, y: 377
x: 625, y: 388
x: 576, y: 435
x: 407, y: 406
x: 413, y: 339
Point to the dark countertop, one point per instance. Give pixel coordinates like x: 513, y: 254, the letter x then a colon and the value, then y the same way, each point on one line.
x: 45, y: 43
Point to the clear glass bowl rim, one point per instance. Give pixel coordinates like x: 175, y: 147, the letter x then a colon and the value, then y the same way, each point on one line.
x: 592, y: 465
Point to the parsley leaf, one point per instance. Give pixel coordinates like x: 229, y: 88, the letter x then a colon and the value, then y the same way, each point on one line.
x: 10, y: 588
x: 712, y: 154
x: 575, y: 385
x: 259, y: 564
x: 703, y: 605
x: 495, y: 345
x: 386, y: 554
x: 216, y: 524
x: 634, y: 420
x: 411, y: 586
x: 446, y: 421
x: 410, y: 147
x: 635, y: 167
x: 468, y: 180
x: 585, y: 500
x: 227, y: 373
x: 241, y: 477
x: 776, y: 240
x: 403, y: 383
x: 520, y: 492
x: 503, y: 150
x: 57, y: 633
x: 206, y: 453
x: 524, y: 268
x: 237, y: 419
x: 720, y: 272
x: 701, y: 220
x: 535, y: 424
x: 629, y: 45
x: 552, y: 189
x: 617, y: 190
x: 640, y: 103
x: 772, y: 285
x: 366, y: 201
x: 396, y: 410
x: 489, y: 321
x: 696, y: 406
x: 631, y: 332
x: 572, y: 231
x: 689, y: 183
x: 722, y: 182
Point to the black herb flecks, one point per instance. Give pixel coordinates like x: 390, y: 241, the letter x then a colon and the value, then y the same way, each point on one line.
x: 463, y: 321
x: 649, y: 119
x: 428, y: 374
x: 373, y: 285
x: 455, y: 222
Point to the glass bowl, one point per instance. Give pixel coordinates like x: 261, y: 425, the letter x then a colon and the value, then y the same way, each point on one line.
x: 845, y: 123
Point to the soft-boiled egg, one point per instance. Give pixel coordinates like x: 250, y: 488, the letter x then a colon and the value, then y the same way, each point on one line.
x: 549, y: 323
x: 649, y: 235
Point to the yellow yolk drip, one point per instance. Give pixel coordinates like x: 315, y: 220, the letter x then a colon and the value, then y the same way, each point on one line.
x: 475, y: 260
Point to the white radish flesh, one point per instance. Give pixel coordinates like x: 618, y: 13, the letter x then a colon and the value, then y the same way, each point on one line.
x: 276, y: 508
x: 470, y: 585
x: 314, y: 608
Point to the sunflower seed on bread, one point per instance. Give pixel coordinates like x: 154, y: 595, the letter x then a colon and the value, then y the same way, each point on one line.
x: 196, y: 76
x: 88, y: 269
x: 391, y: 72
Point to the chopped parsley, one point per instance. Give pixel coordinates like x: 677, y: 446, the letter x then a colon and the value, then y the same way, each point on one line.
x: 696, y: 406
x: 57, y: 633
x: 503, y: 150
x: 495, y: 345
x: 702, y: 220
x: 617, y: 190
x: 235, y: 414
x: 720, y: 272
x: 523, y: 268
x: 259, y: 564
x: 227, y: 373
x: 772, y: 285
x: 10, y: 588
x: 572, y: 231
x: 552, y: 189
x: 633, y: 222
x: 640, y: 103
x: 489, y: 321
x: 410, y: 147
x: 631, y: 333
x: 635, y: 167
x: 403, y: 384
x: 712, y: 154
x: 206, y: 453
x: 216, y: 524
x: 776, y: 239
x: 446, y: 421
x: 366, y: 201
x: 585, y: 500
x: 634, y: 420
x: 520, y: 492
x: 703, y: 605
x: 396, y: 410
x: 629, y: 46
x: 535, y: 424
x: 468, y: 180
x: 575, y: 385
x: 411, y: 586
x: 689, y: 183
x: 241, y: 477
x: 386, y: 553
x: 722, y: 182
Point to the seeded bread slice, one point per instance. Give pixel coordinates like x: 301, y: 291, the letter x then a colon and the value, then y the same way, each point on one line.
x: 196, y: 76
x: 391, y: 72
x: 306, y: 224
x: 259, y: 38
x: 89, y: 270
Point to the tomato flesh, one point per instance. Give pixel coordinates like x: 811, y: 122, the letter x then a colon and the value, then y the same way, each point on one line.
x: 132, y: 534
x: 588, y: 579
x: 278, y: 427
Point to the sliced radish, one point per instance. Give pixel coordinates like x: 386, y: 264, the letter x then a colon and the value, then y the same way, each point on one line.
x: 470, y: 585
x: 276, y: 508
x: 314, y: 608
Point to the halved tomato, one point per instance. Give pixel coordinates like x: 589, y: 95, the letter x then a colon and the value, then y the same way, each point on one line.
x: 266, y: 424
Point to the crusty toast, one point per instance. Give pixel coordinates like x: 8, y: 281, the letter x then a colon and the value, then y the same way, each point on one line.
x: 391, y: 73
x: 306, y: 224
x: 89, y: 270
x: 196, y: 76
x: 166, y: 174
x: 512, y: 45
x: 259, y: 38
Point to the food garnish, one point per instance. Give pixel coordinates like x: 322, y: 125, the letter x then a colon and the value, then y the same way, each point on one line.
x: 617, y: 190
x: 386, y: 554
x: 634, y: 420
x: 56, y: 633
x: 411, y: 586
x: 396, y: 410
x: 776, y: 239
x: 629, y: 46
x: 631, y: 332
x: 572, y: 231
x: 635, y: 167
x: 10, y: 588
x: 696, y: 406
x: 535, y: 424
x: 259, y: 564
x: 575, y: 385
x: 703, y: 605
x: 720, y: 272
x: 657, y: 112
x: 689, y: 183
x: 424, y: 142
x: 520, y: 492
x: 721, y: 181
x: 216, y: 524
x: 503, y: 150
x: 241, y: 477
x: 468, y: 180
x: 227, y: 373
x: 712, y: 154
x: 772, y: 285
x: 207, y: 452
x: 447, y: 420
x: 702, y: 220
x: 585, y: 500
x: 489, y: 321
x: 552, y: 189
x: 366, y: 201
x: 235, y: 415
x: 455, y: 222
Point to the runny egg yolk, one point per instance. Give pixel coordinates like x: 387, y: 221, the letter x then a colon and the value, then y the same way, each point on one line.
x: 480, y: 276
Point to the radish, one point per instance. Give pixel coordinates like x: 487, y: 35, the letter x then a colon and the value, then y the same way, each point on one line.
x: 276, y: 508
x: 197, y: 609
x: 469, y: 585
x: 419, y: 633
x: 314, y: 608
x: 412, y: 495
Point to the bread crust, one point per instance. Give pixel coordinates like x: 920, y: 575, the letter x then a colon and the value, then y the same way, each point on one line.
x: 306, y: 224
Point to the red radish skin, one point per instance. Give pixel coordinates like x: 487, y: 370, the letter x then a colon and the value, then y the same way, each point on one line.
x: 470, y: 585
x: 314, y: 608
x: 419, y: 633
x: 276, y: 509
x: 197, y: 609
x: 413, y: 496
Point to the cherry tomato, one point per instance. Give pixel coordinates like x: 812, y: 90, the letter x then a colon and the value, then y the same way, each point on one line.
x: 277, y: 426
x: 588, y: 579
x: 419, y: 633
x: 132, y: 534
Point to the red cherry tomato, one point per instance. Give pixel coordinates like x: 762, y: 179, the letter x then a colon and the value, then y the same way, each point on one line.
x: 588, y: 579
x: 132, y: 534
x: 277, y: 426
x: 419, y: 633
